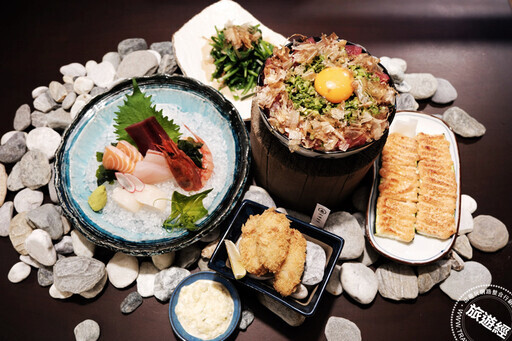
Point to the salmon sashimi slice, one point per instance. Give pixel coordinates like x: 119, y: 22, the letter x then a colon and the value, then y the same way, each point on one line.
x: 130, y: 150
x: 115, y: 159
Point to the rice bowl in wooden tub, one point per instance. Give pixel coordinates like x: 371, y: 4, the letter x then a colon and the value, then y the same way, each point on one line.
x: 306, y: 169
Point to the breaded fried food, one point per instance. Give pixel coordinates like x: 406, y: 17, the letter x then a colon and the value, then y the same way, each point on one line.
x: 268, y: 244
x: 249, y: 255
x: 289, y: 276
x: 273, y: 239
x: 265, y: 242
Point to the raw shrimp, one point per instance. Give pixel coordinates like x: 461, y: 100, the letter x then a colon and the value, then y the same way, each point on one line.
x: 207, y: 160
x: 184, y: 170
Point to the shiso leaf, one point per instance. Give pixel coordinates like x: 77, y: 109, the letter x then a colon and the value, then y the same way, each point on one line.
x: 186, y: 210
x: 137, y: 107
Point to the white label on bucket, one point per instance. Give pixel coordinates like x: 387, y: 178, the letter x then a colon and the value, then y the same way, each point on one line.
x: 320, y: 216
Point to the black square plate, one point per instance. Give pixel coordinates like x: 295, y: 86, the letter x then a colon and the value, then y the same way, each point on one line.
x: 331, y: 243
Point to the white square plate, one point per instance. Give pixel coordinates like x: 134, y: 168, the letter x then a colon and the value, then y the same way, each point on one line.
x: 192, y: 47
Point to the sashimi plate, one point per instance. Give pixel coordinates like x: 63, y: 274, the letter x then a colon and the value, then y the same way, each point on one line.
x: 186, y: 101
x: 422, y: 250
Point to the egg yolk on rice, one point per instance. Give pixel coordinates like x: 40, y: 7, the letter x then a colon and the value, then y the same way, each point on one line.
x: 335, y: 84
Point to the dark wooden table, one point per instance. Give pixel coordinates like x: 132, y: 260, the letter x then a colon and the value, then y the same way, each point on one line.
x: 467, y: 42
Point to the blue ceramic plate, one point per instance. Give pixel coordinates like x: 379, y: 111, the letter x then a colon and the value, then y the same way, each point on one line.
x: 331, y: 243
x: 205, y: 275
x: 423, y: 249
x: 186, y: 101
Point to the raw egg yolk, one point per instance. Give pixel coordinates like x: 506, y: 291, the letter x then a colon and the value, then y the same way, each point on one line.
x: 335, y: 84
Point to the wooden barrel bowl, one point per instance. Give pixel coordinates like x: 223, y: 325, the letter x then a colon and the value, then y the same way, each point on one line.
x: 299, y: 182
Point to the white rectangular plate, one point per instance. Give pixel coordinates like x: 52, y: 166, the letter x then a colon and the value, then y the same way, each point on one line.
x: 423, y: 249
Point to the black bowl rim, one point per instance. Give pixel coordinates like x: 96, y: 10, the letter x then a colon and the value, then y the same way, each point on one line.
x: 321, y: 153
x: 149, y: 248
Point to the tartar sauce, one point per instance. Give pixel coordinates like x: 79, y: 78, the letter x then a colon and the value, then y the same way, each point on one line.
x: 205, y: 309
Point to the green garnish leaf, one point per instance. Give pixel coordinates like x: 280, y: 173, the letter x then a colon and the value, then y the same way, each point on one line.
x: 104, y: 175
x: 190, y: 147
x: 99, y: 156
x: 186, y: 210
x: 136, y: 108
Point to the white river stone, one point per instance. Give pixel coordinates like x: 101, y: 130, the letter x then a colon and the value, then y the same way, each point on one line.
x: 468, y: 203
x: 122, y: 270
x: 423, y: 85
x: 73, y: 69
x: 473, y: 274
x: 59, y: 294
x: 359, y: 282
x: 466, y: 222
x: 5, y: 217
x: 397, y: 281
x: 18, y: 272
x: 27, y: 200
x: 341, y: 329
x: 288, y: 315
x: 259, y: 195
x: 57, y: 91
x: 346, y: 226
x: 334, y: 286
x: 301, y: 292
x: 167, y: 280
x: 489, y: 234
x: 40, y: 247
x: 315, y: 264
x: 463, y: 247
x: 96, y: 289
x: 164, y: 260
x: 87, y: 330
x: 369, y: 255
x: 81, y: 245
x: 146, y: 279
x: 431, y: 274
x: 44, y: 139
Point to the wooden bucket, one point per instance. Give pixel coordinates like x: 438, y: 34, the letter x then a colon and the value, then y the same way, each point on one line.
x: 299, y: 182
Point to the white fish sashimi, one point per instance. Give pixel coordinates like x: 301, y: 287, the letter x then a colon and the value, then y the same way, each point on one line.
x: 154, y: 156
x: 153, y: 168
x: 153, y: 197
x: 125, y: 199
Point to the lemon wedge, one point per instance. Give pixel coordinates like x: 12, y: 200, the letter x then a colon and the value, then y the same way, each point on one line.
x: 234, y: 258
